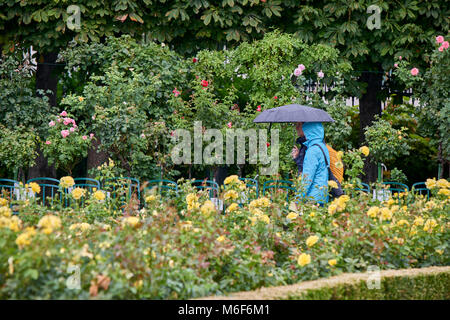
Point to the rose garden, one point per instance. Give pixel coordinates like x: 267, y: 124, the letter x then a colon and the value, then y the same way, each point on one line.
x: 93, y: 204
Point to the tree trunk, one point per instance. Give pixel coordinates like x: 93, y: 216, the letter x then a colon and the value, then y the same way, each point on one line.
x: 95, y: 157
x: 46, y: 79
x: 41, y: 168
x: 369, y: 106
x: 46, y: 76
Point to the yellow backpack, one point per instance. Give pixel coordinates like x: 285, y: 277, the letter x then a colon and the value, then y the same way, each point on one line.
x: 337, y: 172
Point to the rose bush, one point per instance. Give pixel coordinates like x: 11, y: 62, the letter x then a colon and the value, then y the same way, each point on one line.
x: 183, y: 247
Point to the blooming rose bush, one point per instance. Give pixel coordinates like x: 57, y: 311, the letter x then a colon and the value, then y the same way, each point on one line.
x: 66, y: 144
x: 183, y: 247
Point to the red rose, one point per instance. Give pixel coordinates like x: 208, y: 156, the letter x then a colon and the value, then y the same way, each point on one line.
x: 204, y: 83
x: 194, y: 60
x: 275, y: 97
x: 258, y: 108
x: 268, y: 144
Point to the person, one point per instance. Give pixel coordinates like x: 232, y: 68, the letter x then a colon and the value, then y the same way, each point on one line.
x: 311, y: 162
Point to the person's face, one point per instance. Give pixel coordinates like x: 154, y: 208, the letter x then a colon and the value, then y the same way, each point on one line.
x: 299, y: 129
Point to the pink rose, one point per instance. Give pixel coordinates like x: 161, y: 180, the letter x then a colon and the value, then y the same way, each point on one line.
x: 67, y: 121
x: 414, y: 71
x: 441, y: 48
x: 445, y: 44
x: 84, y: 137
x: 65, y: 133
x: 396, y: 65
x: 142, y: 135
x: 172, y: 133
x: 320, y: 74
x: 297, y: 72
x: 51, y: 123
x: 47, y: 142
x: 301, y: 67
x: 258, y: 108
x: 91, y: 135
x: 400, y: 57
x: 59, y: 119
x: 72, y: 129
x: 63, y: 114
x: 439, y: 39
x: 176, y: 92
x: 229, y: 124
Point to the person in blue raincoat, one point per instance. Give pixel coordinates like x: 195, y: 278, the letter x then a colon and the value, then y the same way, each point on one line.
x: 311, y: 162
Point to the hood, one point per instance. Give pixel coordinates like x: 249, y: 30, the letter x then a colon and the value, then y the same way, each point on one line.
x: 313, y: 131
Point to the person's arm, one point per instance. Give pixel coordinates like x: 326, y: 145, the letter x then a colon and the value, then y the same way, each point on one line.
x: 310, y: 165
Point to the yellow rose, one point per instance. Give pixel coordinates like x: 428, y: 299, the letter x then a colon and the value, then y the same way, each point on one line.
x: 130, y: 221
x: 386, y: 214
x: 332, y: 184
x: 445, y: 192
x: 332, y: 262
x: 364, y: 150
x: 418, y: 221
x: 232, y: 207
x: 14, y: 224
x: 304, y: 259
x: 5, y: 212
x: 431, y: 183
x: 208, y: 207
x: 49, y: 223
x: 77, y: 193
x: 231, y: 194
x: 220, y: 239
x: 265, y: 218
x: 443, y: 183
x: 3, y: 202
x: 150, y: 198
x: 35, y: 187
x: 312, y: 240
x: 373, y: 212
x: 66, y: 182
x: 99, y: 195
x: 191, y: 198
x: 332, y: 208
x: 231, y: 179
x: 429, y: 225
x: 402, y: 222
x: 312, y: 214
x: 292, y: 215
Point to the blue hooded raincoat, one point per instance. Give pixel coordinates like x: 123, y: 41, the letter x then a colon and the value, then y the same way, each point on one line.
x: 315, y: 171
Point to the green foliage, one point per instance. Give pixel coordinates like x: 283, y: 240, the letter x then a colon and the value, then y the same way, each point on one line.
x: 430, y: 87
x: 385, y: 142
x: 17, y: 147
x: 415, y: 287
x: 398, y: 176
x: 19, y: 104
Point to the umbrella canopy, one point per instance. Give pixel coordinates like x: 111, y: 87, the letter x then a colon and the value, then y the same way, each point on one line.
x: 293, y: 113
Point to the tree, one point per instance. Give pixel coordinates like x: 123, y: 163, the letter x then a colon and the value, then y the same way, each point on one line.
x: 405, y: 29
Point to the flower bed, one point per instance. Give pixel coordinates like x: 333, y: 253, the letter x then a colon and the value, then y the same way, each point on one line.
x: 182, y: 247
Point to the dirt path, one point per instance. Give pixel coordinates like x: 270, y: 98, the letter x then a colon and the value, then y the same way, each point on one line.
x: 271, y: 293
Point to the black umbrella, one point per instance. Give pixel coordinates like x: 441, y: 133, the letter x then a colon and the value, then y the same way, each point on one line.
x: 293, y: 113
